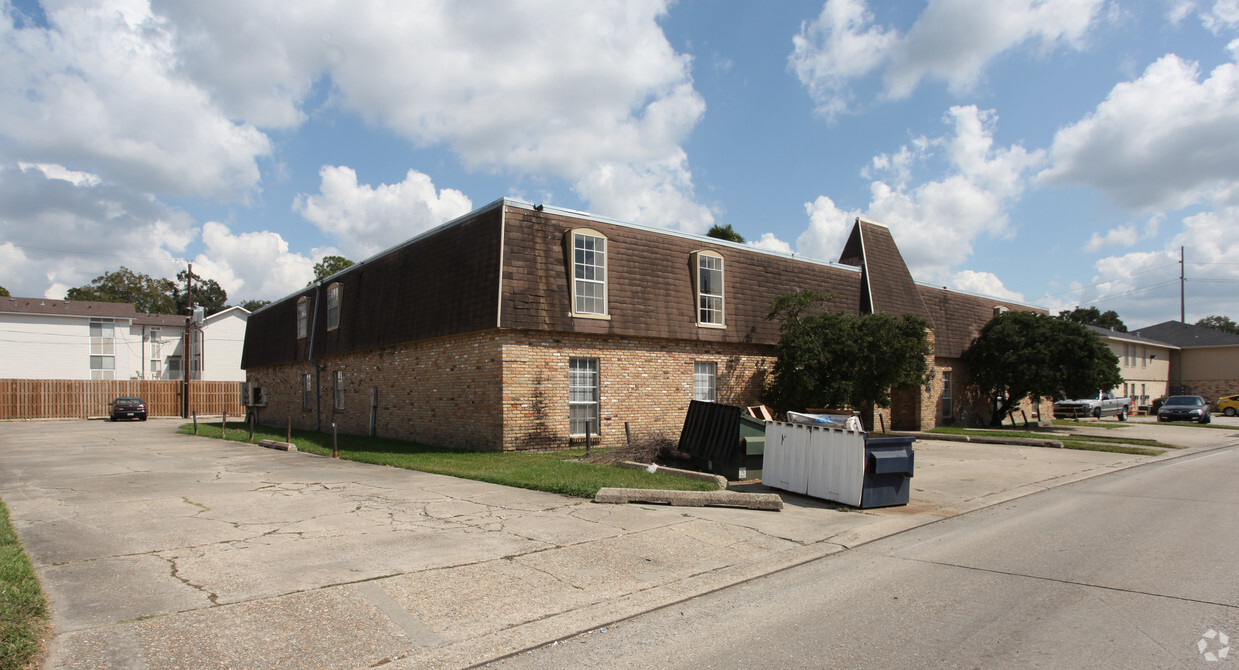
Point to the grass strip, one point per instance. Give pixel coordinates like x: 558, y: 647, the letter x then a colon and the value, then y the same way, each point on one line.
x: 554, y: 472
x: 23, y: 611
x: 1112, y: 448
x: 1119, y: 445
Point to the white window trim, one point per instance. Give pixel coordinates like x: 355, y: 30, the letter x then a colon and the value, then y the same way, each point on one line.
x: 698, y: 374
x: 303, y: 317
x: 336, y: 289
x: 570, y: 241
x: 338, y: 390
x: 597, y: 393
x: 722, y: 295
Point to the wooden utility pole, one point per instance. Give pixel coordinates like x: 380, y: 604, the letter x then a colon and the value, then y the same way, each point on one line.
x: 187, y: 348
x: 1182, y: 302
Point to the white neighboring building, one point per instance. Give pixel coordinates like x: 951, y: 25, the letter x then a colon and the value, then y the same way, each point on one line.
x: 75, y: 339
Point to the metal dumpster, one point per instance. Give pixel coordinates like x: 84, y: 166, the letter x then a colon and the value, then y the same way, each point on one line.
x: 889, y: 462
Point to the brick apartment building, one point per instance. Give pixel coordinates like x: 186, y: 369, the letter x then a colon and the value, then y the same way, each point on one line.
x: 522, y: 327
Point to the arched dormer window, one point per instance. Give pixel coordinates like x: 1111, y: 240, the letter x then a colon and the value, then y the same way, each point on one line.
x: 333, y: 305
x: 303, y: 317
x: 589, y: 272
x: 708, y: 288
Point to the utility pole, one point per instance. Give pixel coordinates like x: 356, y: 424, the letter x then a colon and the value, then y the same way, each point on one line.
x: 1182, y: 302
x: 186, y: 349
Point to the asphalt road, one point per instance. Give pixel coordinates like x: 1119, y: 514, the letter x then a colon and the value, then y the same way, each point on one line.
x: 1136, y: 569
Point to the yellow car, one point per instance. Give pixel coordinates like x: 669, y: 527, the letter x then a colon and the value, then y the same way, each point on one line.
x: 1228, y: 405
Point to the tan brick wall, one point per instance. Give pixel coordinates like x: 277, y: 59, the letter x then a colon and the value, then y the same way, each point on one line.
x: 646, y: 383
x: 509, y: 389
x: 442, y: 391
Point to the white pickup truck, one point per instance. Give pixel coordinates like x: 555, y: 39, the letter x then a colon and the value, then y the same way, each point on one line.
x: 1104, y: 404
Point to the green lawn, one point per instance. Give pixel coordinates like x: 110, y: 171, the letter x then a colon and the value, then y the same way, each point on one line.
x: 23, y: 611
x: 556, y: 472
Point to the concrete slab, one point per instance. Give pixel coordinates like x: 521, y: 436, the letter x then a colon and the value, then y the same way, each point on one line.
x: 160, y: 551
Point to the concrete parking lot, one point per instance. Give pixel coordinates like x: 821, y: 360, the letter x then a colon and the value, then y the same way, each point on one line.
x: 159, y: 550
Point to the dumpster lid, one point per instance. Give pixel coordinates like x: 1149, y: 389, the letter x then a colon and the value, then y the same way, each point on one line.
x: 891, y: 462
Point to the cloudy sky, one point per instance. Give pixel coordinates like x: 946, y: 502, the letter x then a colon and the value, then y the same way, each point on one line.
x: 1056, y: 152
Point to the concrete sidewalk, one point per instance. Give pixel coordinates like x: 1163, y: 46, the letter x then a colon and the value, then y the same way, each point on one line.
x: 158, y: 550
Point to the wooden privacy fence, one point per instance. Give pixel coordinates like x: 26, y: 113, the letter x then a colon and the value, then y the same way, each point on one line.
x: 84, y: 399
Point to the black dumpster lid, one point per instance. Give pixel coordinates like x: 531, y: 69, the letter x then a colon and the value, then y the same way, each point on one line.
x: 889, y: 441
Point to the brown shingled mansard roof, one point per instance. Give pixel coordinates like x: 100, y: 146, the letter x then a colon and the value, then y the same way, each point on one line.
x: 886, y: 284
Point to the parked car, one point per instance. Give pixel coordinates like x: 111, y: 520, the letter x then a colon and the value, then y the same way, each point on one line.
x: 1103, y: 404
x: 1228, y: 405
x: 1184, y: 408
x: 128, y: 408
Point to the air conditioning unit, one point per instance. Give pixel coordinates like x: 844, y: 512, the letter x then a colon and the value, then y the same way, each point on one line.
x: 253, y: 395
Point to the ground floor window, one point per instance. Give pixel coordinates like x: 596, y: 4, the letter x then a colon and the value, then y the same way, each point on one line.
x: 704, y: 380
x: 156, y: 368
x: 947, y: 409
x: 583, y: 393
x: 338, y: 388
x: 102, y: 367
x: 307, y: 392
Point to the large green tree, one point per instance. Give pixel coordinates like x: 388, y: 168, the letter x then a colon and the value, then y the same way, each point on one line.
x: 725, y: 233
x: 4, y: 292
x: 124, y: 285
x: 207, y: 293
x: 254, y: 305
x: 1092, y: 316
x: 329, y: 266
x: 1022, y: 355
x: 839, y: 360
x: 1219, y: 322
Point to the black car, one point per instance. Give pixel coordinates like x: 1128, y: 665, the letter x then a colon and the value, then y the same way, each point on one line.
x: 128, y: 408
x: 1184, y: 408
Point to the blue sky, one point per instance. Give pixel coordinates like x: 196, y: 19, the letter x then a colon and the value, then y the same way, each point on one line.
x: 1057, y: 152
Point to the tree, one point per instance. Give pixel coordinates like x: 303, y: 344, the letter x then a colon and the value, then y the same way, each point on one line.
x: 1219, y: 322
x: 4, y: 292
x: 124, y: 285
x: 206, y: 293
x: 725, y: 233
x: 1022, y: 355
x: 329, y: 266
x: 840, y: 360
x: 254, y: 305
x: 1094, y: 317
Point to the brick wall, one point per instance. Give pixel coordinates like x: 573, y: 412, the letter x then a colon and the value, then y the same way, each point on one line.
x: 646, y: 383
x: 442, y: 391
x: 509, y: 389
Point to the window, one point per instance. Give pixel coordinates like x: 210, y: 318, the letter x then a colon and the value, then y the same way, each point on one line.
x: 583, y: 396
x: 1144, y: 357
x: 303, y: 317
x: 307, y: 392
x: 156, y: 368
x: 709, y: 288
x: 174, y: 367
x: 947, y: 409
x: 333, y: 306
x: 156, y: 334
x: 338, y: 388
x: 102, y: 367
x: 102, y: 349
x: 704, y: 380
x: 589, y: 273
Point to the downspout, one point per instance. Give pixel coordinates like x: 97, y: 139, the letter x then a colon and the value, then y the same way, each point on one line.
x: 318, y: 421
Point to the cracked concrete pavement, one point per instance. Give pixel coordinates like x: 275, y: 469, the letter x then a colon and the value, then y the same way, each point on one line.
x: 158, y: 550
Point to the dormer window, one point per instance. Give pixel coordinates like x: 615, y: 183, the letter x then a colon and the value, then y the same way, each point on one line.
x: 589, y: 273
x: 303, y: 317
x: 333, y: 306
x: 708, y: 285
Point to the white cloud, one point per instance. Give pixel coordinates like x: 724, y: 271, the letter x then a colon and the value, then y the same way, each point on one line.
x: 365, y: 220
x: 1143, y: 286
x: 1163, y: 141
x: 1222, y: 16
x: 951, y: 40
x: 984, y: 283
x: 98, y: 90
x: 934, y: 222
x: 770, y: 242
x: 1126, y: 235
x: 253, y: 264
x: 589, y: 92
x: 64, y: 229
